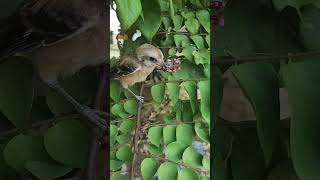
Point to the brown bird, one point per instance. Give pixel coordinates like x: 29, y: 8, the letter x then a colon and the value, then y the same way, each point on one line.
x: 60, y: 37
x: 137, y: 66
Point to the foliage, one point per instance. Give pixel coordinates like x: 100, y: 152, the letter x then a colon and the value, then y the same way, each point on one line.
x: 181, y: 30
x: 264, y: 31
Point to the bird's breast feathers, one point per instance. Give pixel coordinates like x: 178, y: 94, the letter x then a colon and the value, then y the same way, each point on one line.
x: 135, y: 77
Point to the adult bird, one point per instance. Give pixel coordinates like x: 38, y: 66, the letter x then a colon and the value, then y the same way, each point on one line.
x: 137, y: 66
x: 60, y: 37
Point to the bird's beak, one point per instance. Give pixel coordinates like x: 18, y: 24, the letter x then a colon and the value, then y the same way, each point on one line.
x: 162, y: 66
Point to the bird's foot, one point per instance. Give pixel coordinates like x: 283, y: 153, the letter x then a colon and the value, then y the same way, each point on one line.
x: 140, y: 98
x: 99, y: 118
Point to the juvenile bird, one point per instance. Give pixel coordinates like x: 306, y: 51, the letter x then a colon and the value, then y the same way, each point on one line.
x: 60, y: 37
x: 137, y: 66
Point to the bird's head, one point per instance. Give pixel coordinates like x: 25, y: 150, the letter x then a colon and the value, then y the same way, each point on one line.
x: 150, y: 56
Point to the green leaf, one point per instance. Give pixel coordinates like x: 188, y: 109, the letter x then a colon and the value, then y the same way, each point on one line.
x: 169, y: 41
x: 131, y: 107
x: 208, y: 40
x: 310, y: 27
x: 206, y: 162
x: 172, y: 51
x: 128, y: 11
x: 86, y: 81
x: 157, y: 92
x: 179, y: 38
x: 281, y: 4
x: 154, y: 150
x: 188, y: 53
x: 188, y: 14
x: 191, y: 88
x: 68, y: 142
x: 218, y: 93
x: 124, y: 153
x: 198, y: 40
x: 260, y: 83
x: 152, y: 18
x: 177, y: 22
x: 149, y: 167
x: 192, y: 158
x: 204, y: 87
x: 202, y: 132
x: 202, y: 56
x: 16, y: 92
x: 174, y: 92
x: 174, y: 151
x: 247, y: 160
x: 187, y: 174
x: 119, y: 110
x: 204, y: 19
x: 5, y: 171
x: 24, y: 148
x: 192, y: 25
x: 123, y: 138
x: 127, y: 126
x: 189, y: 70
x: 187, y: 113
x: 115, y: 165
x: 166, y: 22
x: 184, y: 134
x: 9, y: 7
x: 47, y: 171
x: 118, y: 177
x: 115, y: 90
x: 113, y: 134
x: 169, y: 134
x: 168, y: 171
x: 303, y: 86
x: 154, y: 135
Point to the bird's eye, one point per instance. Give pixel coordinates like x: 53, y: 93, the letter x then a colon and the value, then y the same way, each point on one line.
x: 153, y: 59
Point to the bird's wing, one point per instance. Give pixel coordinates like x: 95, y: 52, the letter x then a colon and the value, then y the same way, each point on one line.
x: 127, y: 66
x: 43, y: 22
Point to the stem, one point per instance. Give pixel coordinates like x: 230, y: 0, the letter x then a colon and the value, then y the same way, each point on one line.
x: 136, y: 134
x: 272, y: 58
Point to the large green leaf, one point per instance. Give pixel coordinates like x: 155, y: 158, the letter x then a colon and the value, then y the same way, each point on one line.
x: 131, y: 107
x: 115, y: 90
x: 174, y: 151
x: 303, y: 86
x: 174, y: 92
x: 187, y: 174
x: 113, y: 134
x: 5, y: 171
x: 152, y: 18
x: 202, y: 132
x: 192, y: 158
x: 154, y: 135
x: 217, y: 94
x: 191, y: 88
x: 247, y: 162
x: 9, y: 7
x: 16, y: 92
x: 204, y: 87
x: 24, y: 148
x: 149, y: 168
x: 198, y: 40
x: 68, y: 142
x: 124, y: 153
x: 169, y: 134
x: 128, y: 11
x: 157, y: 92
x: 259, y: 81
x: 192, y: 25
x: 184, y: 133
x: 168, y: 171
x: 204, y: 19
x: 202, y: 56
x: 281, y: 4
x: 177, y: 22
x: 47, y: 171
x: 86, y: 81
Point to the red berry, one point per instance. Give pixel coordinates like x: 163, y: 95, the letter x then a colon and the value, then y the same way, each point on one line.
x: 215, y: 5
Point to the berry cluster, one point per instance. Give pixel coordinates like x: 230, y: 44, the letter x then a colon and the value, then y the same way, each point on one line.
x: 173, y: 64
x: 218, y: 18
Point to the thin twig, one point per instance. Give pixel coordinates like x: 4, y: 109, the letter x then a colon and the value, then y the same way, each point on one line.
x: 40, y: 124
x: 136, y: 134
x: 272, y: 58
x: 96, y: 133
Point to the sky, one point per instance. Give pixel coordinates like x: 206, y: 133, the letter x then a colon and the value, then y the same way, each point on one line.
x: 114, y: 23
